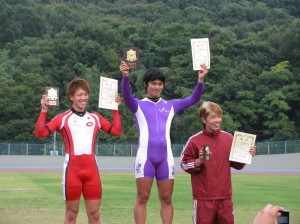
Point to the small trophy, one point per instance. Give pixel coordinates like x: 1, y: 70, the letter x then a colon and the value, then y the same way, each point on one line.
x: 53, y: 95
x: 206, y: 151
x: 132, y: 56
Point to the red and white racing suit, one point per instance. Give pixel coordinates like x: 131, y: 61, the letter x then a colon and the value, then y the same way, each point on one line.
x: 79, y: 131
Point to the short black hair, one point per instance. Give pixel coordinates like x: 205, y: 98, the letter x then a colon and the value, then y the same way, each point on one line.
x: 153, y: 74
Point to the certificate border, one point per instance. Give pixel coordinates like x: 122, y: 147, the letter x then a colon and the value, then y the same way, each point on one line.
x: 206, y: 41
x: 237, y: 134
x: 103, y: 80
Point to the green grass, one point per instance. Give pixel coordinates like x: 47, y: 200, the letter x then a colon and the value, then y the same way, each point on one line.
x: 37, y: 198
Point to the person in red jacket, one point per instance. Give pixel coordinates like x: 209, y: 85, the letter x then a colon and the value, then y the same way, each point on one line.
x: 211, y: 179
x: 79, y: 129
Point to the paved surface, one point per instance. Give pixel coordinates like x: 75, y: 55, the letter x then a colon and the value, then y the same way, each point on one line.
x: 284, y: 163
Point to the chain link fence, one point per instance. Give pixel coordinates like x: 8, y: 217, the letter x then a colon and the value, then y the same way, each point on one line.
x: 128, y: 149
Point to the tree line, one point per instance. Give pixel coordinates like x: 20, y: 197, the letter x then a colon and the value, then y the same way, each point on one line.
x: 254, y: 75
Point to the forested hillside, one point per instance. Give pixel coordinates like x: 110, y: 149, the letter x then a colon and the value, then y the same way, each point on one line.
x: 255, y: 59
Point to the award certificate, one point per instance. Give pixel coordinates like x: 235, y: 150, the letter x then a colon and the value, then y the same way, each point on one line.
x: 108, y: 92
x: 200, y: 53
x: 241, y: 144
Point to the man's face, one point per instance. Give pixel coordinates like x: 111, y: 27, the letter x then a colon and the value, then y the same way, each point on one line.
x: 155, y: 88
x: 79, y: 99
x: 212, y: 122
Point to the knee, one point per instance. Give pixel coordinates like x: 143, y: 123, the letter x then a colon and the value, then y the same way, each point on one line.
x: 93, y: 216
x: 142, y: 198
x: 166, y: 199
x: 71, y: 215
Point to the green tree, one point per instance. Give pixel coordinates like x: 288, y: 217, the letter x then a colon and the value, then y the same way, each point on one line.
x: 273, y: 105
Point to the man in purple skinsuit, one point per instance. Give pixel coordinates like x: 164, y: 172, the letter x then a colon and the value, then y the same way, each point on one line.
x: 153, y: 117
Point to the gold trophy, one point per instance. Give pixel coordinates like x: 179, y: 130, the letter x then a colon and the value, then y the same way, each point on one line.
x: 206, y: 151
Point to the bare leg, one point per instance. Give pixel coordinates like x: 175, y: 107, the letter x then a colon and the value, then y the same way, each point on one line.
x: 72, y: 209
x: 92, y: 211
x: 143, y: 193
x: 165, y: 190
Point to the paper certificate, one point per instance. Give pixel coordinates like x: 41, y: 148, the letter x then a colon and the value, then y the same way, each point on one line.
x: 241, y: 144
x: 200, y: 53
x: 108, y: 92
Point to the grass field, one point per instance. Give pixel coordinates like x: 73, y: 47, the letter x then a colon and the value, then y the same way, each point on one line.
x: 36, y: 197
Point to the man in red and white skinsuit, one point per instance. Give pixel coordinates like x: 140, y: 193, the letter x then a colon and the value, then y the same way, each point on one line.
x: 79, y: 130
x: 211, y: 179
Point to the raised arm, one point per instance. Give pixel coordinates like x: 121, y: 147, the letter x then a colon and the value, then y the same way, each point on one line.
x: 41, y: 130
x: 182, y: 104
x: 202, y: 73
x: 114, y: 127
x: 129, y: 100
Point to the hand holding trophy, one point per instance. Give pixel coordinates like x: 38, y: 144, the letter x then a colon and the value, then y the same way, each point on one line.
x: 206, y: 151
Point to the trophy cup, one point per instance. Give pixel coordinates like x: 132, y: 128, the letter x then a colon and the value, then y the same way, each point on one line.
x: 206, y: 151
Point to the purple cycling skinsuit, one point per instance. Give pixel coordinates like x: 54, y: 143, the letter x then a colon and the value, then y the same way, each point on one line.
x: 153, y: 119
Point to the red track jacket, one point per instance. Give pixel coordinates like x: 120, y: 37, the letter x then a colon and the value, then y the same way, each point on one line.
x: 212, y: 180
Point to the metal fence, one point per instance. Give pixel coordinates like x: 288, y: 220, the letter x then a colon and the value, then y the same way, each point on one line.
x: 127, y: 149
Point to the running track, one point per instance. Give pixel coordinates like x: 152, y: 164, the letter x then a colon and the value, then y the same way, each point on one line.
x: 280, y: 163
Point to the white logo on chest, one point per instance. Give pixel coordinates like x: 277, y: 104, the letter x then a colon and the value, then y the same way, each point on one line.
x: 163, y: 110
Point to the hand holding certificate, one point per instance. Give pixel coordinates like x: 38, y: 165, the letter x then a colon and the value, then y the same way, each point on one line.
x: 241, y: 144
x: 200, y: 53
x: 108, y: 92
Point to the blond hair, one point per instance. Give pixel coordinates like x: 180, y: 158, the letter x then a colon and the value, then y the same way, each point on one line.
x: 207, y: 107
